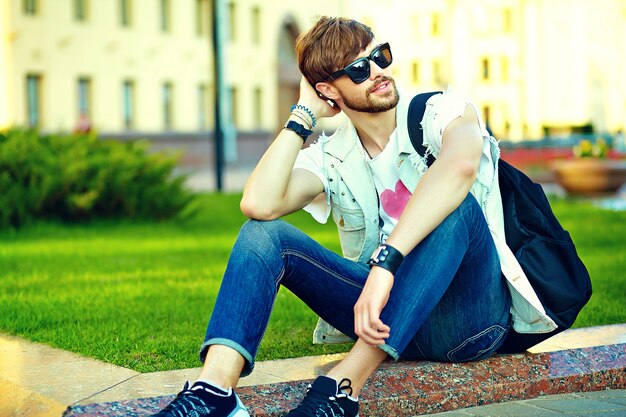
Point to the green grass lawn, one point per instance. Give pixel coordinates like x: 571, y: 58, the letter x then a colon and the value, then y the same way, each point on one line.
x: 139, y: 294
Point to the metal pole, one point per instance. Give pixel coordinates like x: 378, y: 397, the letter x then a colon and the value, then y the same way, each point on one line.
x: 218, y: 135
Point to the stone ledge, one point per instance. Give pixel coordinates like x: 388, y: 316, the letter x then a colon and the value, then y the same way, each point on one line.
x: 410, y: 388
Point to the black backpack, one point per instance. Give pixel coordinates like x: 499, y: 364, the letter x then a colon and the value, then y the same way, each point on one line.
x: 543, y: 248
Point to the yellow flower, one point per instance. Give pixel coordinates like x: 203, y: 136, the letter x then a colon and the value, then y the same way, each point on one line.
x: 587, y: 149
x: 600, y: 148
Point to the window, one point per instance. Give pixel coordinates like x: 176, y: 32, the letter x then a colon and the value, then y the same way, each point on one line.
x: 129, y: 103
x: 166, y: 21
x: 487, y: 115
x: 256, y: 25
x: 437, y: 72
x: 202, y: 17
x: 231, y: 21
x: 202, y: 107
x: 33, y: 100
x: 232, y: 93
x: 415, y: 71
x: 125, y: 13
x: 485, y: 69
x: 415, y: 26
x: 258, y: 107
x: 436, y: 23
x: 504, y: 67
x: 80, y: 10
x: 167, y: 105
x: 84, y: 97
x: 31, y: 7
x: 507, y: 25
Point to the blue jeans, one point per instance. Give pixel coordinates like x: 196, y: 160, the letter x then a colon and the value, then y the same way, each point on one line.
x: 449, y: 301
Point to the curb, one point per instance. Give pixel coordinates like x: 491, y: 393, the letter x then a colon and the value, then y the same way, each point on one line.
x: 410, y: 388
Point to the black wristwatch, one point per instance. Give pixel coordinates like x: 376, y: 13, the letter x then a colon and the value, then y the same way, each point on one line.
x: 387, y: 257
x: 298, y: 129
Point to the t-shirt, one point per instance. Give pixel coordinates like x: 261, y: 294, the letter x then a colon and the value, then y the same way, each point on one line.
x: 392, y: 194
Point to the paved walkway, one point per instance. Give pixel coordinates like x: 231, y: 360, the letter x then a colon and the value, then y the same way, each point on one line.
x: 40, y: 381
x: 610, y: 403
x: 235, y: 177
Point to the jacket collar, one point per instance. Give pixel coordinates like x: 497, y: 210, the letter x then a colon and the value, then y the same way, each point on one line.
x: 345, y: 139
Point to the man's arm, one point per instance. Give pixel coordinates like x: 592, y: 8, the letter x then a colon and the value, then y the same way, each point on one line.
x: 444, y: 185
x: 440, y: 191
x: 275, y: 188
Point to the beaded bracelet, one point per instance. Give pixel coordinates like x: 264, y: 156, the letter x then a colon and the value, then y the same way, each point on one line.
x: 306, y: 109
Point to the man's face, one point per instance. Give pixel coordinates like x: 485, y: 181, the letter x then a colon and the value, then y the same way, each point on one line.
x: 375, y: 95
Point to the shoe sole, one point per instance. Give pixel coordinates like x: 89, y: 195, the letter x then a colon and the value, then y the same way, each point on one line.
x: 239, y: 413
x: 241, y: 410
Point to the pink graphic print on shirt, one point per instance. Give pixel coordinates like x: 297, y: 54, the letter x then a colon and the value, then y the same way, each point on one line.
x: 393, y: 202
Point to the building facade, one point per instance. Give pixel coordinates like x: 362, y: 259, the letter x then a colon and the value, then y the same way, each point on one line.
x: 533, y: 67
x: 145, y: 67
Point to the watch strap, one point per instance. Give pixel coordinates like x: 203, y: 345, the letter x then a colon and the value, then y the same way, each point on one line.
x: 299, y: 129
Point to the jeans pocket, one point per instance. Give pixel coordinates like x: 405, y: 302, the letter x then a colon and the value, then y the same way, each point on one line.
x: 479, y: 346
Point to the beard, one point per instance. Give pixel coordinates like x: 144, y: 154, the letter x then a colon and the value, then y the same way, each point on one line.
x: 376, y: 104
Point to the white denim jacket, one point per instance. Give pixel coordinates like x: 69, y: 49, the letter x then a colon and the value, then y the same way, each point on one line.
x: 351, y: 198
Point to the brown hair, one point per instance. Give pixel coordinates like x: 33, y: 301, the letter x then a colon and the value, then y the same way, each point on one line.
x: 331, y: 44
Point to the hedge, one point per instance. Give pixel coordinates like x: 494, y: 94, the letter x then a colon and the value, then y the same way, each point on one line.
x: 77, y: 177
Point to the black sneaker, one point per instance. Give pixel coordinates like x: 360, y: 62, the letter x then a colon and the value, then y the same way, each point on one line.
x: 326, y: 398
x: 203, y: 399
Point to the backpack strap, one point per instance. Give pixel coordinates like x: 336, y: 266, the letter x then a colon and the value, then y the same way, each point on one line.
x: 416, y: 114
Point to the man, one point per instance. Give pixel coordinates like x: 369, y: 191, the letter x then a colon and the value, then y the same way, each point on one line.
x: 434, y: 287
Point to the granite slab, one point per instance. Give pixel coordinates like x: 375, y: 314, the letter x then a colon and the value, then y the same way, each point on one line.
x: 411, y: 388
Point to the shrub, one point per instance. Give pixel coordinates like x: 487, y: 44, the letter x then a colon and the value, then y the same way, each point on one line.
x: 80, y: 177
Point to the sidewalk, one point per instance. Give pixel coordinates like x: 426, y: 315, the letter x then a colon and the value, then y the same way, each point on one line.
x: 592, y: 404
x: 39, y: 381
x: 234, y: 179
x: 236, y: 175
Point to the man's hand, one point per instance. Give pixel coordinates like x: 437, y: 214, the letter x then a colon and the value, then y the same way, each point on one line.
x: 310, y: 99
x: 367, y: 324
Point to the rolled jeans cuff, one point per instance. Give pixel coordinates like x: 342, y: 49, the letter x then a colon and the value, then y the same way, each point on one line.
x: 390, y: 351
x: 249, y: 360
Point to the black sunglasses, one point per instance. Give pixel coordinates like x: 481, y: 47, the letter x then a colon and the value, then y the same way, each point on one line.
x: 359, y: 70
